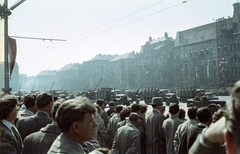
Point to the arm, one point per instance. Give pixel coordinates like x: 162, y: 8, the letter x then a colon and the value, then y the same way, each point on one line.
x: 135, y: 144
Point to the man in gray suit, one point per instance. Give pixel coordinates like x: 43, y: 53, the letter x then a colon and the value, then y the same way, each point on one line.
x: 10, y: 139
x: 34, y: 123
x: 41, y: 141
x: 30, y: 107
x: 75, y: 119
x: 155, y: 139
x: 170, y: 126
x: 127, y: 138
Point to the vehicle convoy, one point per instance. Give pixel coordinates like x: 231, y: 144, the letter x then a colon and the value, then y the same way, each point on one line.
x: 204, y: 98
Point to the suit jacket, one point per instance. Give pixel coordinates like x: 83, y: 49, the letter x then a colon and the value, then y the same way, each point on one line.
x: 155, y: 139
x: 8, y: 142
x: 64, y: 144
x: 33, y: 124
x: 189, y: 137
x: 170, y: 126
x: 127, y: 140
x: 41, y: 141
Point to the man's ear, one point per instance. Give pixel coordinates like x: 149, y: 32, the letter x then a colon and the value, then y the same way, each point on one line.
x: 230, y: 145
x: 75, y: 127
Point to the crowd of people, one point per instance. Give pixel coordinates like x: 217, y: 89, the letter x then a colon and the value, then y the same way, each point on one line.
x: 44, y: 124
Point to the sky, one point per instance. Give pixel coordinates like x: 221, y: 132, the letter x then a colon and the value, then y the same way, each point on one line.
x: 92, y: 27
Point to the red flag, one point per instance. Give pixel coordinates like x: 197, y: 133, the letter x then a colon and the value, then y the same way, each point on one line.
x: 12, y: 53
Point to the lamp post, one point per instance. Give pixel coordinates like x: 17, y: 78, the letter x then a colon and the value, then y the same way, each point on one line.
x: 4, y: 13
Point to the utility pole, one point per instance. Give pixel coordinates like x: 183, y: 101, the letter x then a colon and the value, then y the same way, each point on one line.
x: 4, y: 13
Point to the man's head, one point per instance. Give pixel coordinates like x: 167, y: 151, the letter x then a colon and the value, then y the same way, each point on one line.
x: 55, y: 107
x: 30, y: 102
x: 134, y: 118
x: 124, y: 113
x: 136, y: 108
x: 75, y: 119
x: 204, y: 115
x: 192, y: 112
x: 8, y: 110
x: 157, y: 103
x: 119, y: 108
x: 101, y: 103
x: 173, y: 108
x: 44, y: 102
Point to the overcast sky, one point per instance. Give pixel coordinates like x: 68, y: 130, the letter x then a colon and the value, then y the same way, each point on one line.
x: 92, y: 27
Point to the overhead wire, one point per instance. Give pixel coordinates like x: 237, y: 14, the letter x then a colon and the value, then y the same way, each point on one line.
x: 109, y: 29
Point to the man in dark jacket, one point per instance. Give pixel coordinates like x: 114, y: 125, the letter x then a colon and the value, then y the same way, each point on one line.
x: 204, y: 116
x: 34, y: 123
x: 41, y: 141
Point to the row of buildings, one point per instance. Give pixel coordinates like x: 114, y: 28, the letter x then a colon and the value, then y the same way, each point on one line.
x: 207, y: 56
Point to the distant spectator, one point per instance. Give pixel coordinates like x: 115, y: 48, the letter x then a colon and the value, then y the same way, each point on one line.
x: 41, y: 141
x: 102, y: 104
x: 182, y: 128
x: 127, y: 138
x: 181, y: 114
x: 29, y: 101
x: 170, y: 126
x: 34, y: 123
x: 112, y: 108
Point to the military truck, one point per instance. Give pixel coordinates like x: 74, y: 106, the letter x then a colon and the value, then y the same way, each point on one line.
x: 206, y: 99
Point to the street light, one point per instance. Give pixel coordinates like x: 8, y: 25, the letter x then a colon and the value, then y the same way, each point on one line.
x: 4, y: 13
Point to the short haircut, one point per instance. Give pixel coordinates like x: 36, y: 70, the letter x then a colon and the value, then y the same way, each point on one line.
x: 143, y: 108
x: 173, y: 108
x: 29, y: 100
x: 182, y: 114
x: 55, y: 107
x: 111, y: 103
x: 7, y: 104
x: 133, y: 117
x: 124, y: 113
x: 100, y: 102
x: 135, y: 107
x: 192, y: 112
x: 73, y: 110
x: 204, y: 114
x: 119, y: 108
x: 43, y: 100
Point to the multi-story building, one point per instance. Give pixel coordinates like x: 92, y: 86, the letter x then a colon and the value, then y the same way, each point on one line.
x: 207, y: 56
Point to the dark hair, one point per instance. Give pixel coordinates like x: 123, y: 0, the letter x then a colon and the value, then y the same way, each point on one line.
x: 7, y: 104
x: 192, y: 112
x: 124, y: 113
x: 173, y: 108
x: 182, y: 114
x: 100, y: 102
x: 55, y: 107
x: 71, y: 111
x: 143, y: 108
x: 111, y: 103
x: 135, y: 107
x: 43, y: 100
x: 29, y: 100
x: 133, y: 117
x: 119, y: 108
x: 204, y: 114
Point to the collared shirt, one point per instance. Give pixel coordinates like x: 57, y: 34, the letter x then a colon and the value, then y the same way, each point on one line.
x: 202, y: 124
x: 9, y: 125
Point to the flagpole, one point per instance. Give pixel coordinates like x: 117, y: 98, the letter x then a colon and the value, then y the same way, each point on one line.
x: 6, y: 13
